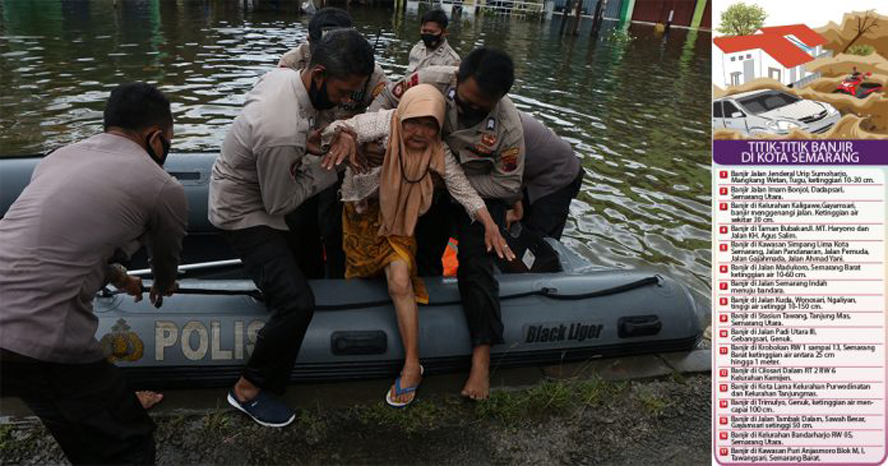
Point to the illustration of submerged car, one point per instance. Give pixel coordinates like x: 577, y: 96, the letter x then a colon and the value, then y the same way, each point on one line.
x: 771, y: 111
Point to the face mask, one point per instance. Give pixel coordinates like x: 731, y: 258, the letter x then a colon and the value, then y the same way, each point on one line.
x: 431, y: 40
x: 320, y: 100
x: 166, y: 150
x: 471, y: 116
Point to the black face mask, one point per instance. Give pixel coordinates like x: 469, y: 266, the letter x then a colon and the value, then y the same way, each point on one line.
x: 431, y: 40
x: 166, y: 150
x: 471, y: 116
x: 320, y: 100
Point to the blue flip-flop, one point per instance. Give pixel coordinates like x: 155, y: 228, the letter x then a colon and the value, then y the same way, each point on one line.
x: 400, y: 391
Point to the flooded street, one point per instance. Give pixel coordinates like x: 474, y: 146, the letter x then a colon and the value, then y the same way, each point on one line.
x: 637, y: 112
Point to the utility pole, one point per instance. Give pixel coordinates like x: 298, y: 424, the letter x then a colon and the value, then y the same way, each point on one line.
x: 598, y: 17
x: 576, y: 25
x: 565, y: 16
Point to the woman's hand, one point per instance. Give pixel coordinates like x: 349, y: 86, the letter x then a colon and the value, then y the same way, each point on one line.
x: 492, y: 237
x: 343, y: 146
x: 494, y: 240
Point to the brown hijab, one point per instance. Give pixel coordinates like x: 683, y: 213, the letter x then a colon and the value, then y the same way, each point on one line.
x: 405, y: 185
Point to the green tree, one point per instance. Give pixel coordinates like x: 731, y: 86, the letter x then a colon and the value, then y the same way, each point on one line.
x: 741, y: 19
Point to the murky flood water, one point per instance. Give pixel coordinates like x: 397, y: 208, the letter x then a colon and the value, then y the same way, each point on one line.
x: 637, y: 112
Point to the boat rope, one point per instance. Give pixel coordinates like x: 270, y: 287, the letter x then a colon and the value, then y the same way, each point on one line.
x: 545, y: 292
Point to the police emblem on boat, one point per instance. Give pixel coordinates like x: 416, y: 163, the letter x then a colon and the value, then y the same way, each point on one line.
x: 122, y: 344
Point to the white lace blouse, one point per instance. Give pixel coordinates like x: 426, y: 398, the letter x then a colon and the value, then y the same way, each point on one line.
x: 370, y: 127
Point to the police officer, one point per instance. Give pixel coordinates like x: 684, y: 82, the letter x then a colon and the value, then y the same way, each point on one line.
x: 88, y: 205
x: 318, y: 223
x: 326, y: 20
x: 433, y: 49
x: 262, y: 174
x: 552, y: 179
x: 483, y: 130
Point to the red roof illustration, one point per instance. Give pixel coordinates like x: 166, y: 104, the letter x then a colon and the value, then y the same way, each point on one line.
x: 804, y: 33
x: 771, y: 40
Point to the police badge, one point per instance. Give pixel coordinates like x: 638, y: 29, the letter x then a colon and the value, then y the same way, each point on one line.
x: 121, y: 344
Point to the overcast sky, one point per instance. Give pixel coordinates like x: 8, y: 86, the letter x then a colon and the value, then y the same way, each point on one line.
x: 814, y: 13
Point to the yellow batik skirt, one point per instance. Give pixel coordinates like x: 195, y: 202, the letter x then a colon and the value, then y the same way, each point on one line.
x: 367, y: 254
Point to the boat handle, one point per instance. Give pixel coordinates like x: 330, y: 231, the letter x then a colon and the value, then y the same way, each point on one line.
x: 639, y: 326
x: 352, y: 342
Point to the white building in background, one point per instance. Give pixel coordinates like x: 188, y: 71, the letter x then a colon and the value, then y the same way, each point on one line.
x: 779, y: 52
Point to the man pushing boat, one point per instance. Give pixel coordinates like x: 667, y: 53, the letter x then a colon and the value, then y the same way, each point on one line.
x: 59, y: 245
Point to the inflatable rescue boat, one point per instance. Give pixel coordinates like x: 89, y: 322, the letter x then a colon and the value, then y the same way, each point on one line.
x: 202, y: 335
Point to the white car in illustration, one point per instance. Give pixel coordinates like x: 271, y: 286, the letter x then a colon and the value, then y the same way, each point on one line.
x: 769, y: 111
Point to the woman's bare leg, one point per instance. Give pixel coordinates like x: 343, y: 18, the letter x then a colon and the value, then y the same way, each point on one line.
x: 400, y: 289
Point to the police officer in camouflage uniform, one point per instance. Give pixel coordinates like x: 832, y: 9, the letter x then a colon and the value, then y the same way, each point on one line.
x: 318, y: 223
x: 484, y: 132
x: 433, y: 49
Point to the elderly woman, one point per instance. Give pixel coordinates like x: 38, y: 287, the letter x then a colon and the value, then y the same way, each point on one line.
x: 383, y: 204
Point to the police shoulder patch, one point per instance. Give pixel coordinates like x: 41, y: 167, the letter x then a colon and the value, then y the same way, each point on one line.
x: 481, y: 150
x: 511, y: 152
x: 414, y: 80
x: 489, y: 139
x: 398, y: 90
x: 509, y: 159
x: 377, y: 90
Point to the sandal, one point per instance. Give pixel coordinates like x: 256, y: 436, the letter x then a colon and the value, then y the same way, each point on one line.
x: 400, y: 391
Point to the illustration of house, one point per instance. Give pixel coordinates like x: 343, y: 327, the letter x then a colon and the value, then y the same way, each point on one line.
x: 779, y: 52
